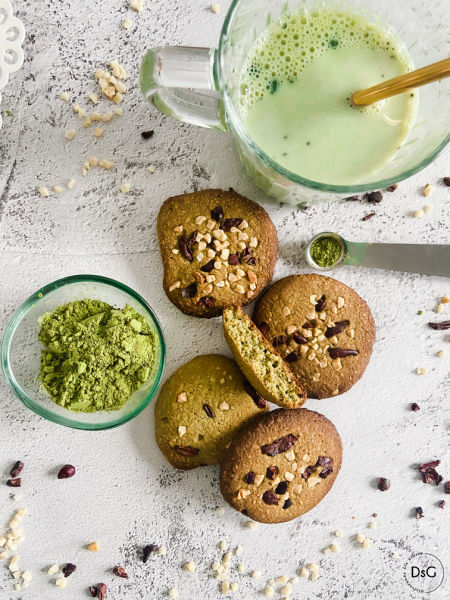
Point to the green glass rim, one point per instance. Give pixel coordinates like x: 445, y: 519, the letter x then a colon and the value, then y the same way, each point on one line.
x: 46, y: 413
x: 236, y: 121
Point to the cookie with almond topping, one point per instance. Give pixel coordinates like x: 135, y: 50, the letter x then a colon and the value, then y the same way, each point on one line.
x: 321, y: 327
x: 200, y: 408
x: 281, y: 465
x: 218, y: 249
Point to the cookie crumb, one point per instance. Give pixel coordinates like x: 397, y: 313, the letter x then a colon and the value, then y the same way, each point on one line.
x: 220, y: 510
x: 151, y: 169
x: 252, y: 525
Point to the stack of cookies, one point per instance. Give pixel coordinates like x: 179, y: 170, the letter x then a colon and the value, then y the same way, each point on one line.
x: 311, y: 336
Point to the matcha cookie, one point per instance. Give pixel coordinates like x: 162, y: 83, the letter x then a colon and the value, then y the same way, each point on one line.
x: 218, y: 249
x: 281, y: 465
x: 261, y: 364
x: 321, y: 327
x: 200, y: 408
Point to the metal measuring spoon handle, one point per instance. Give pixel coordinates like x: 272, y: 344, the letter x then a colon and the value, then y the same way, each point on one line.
x: 430, y: 259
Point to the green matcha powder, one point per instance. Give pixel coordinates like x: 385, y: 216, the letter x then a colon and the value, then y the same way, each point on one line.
x: 95, y: 356
x: 325, y: 251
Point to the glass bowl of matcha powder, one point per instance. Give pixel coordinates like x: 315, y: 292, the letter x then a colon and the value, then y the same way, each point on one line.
x: 84, y: 351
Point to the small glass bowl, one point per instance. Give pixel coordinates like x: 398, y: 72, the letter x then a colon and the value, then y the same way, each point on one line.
x: 21, y: 350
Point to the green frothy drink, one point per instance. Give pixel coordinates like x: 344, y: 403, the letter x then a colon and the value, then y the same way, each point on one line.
x: 295, y: 88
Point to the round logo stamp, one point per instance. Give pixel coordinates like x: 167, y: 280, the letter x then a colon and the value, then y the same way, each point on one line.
x: 423, y: 572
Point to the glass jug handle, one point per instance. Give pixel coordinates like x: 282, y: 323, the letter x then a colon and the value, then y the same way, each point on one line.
x: 171, y: 77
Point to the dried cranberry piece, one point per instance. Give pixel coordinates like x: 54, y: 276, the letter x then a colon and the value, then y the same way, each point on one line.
x: 383, y: 484
x: 120, y: 572
x: 217, y: 213
x: 281, y: 488
x: 287, y: 503
x: 246, y: 254
x: 251, y: 261
x: 297, y: 337
x: 324, y: 461
x: 264, y: 328
x: 442, y: 326
x: 441, y: 503
x: 279, y: 340
x: 429, y: 473
x: 341, y: 352
x: 101, y: 591
x: 16, y: 469
x: 207, y: 301
x: 446, y: 181
x: 227, y: 224
x: 209, y: 411
x: 338, y: 328
x: 415, y: 407
x: 430, y: 465
x: 271, y: 473
x: 233, y: 259
x: 320, y: 304
x: 189, y: 291
x: 419, y: 513
x: 373, y: 197
x: 183, y: 246
x: 186, y: 450
x: 307, y: 472
x: 17, y: 482
x: 368, y: 216
x: 325, y: 472
x: 250, y: 477
x: 447, y: 487
x: 257, y: 398
x: 280, y: 445
x: 292, y: 357
x: 68, y: 569
x: 66, y: 471
x: 148, y: 550
x: 392, y: 187
x: 208, y: 267
x: 307, y: 325
x: 270, y: 498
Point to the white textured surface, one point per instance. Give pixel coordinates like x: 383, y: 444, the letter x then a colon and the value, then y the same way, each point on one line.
x: 124, y: 494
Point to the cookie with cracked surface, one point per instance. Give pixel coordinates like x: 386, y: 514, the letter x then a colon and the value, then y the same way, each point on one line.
x: 281, y: 465
x: 200, y: 408
x: 263, y: 367
x: 218, y: 249
x: 323, y: 329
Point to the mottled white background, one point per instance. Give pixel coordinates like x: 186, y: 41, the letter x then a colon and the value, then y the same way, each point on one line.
x: 124, y: 494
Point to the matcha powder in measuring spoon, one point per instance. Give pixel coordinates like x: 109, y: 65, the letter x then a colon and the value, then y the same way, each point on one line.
x: 325, y: 251
x: 95, y: 356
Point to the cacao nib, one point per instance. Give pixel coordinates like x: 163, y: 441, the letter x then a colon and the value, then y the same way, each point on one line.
x: 320, y: 304
x: 352, y: 199
x: 16, y: 469
x: 373, y: 197
x: 392, y: 187
x: 246, y: 254
x: 307, y: 472
x: 207, y: 301
x: 257, y: 398
x: 17, y: 482
x: 251, y: 261
x: 186, y: 450
x: 419, y: 513
x: 189, y: 291
x: 233, y: 259
x: 341, y: 352
x: 383, y: 484
x: 325, y: 472
x: 338, y: 328
x: 281, y: 488
x: 264, y: 328
x: 299, y: 339
x: 324, y: 461
x: 66, y: 471
x: 227, y: 224
x: 447, y: 487
x: 101, y: 591
x: 307, y: 325
x: 208, y: 267
x: 270, y: 498
x: 368, y: 216
x: 183, y: 246
x: 68, y: 569
x: 429, y: 473
x: 441, y: 503
x: 250, y: 477
x: 279, y: 446
x: 120, y: 572
x: 430, y: 465
x: 442, y: 326
x: 271, y: 473
x: 93, y: 591
x: 446, y: 181
x: 279, y: 340
x: 287, y: 503
x: 148, y: 550
x: 217, y: 213
x: 209, y: 411
x: 415, y: 407
x: 292, y: 357
x: 146, y: 135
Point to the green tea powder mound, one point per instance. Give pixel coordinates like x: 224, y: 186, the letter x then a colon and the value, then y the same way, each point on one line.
x: 95, y: 356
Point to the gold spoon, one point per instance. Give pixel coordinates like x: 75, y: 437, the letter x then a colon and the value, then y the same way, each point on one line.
x: 403, y: 83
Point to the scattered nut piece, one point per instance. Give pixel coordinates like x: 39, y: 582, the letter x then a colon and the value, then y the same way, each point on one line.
x: 442, y: 353
x: 64, y: 96
x: 172, y: 592
x: 417, y: 214
x: 427, y: 190
x: 252, y: 525
x: 126, y: 24
x: 427, y: 208
x: 44, y: 191
x: 360, y: 537
x: 151, y: 169
x: 61, y: 582
x: 137, y: 5
x: 93, y: 547
x: 190, y: 567
x: 181, y: 430
x: 98, y: 132
x: 339, y: 533
x: 57, y: 189
x: 421, y: 371
x: 125, y: 188
x: 304, y: 572
x: 106, y: 164
x: 215, y: 8
x: 372, y: 525
x: 220, y: 510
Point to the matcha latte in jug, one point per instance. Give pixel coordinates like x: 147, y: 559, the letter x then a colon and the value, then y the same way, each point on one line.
x: 281, y: 80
